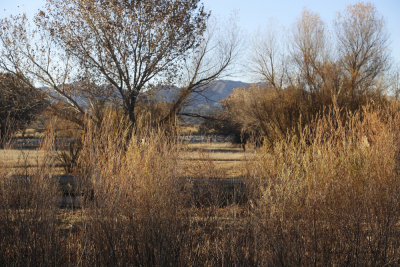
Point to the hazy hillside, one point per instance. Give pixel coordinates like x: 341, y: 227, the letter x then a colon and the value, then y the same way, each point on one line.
x: 208, y: 100
x: 205, y: 103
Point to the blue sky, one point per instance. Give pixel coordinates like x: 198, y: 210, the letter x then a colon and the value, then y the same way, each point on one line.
x: 255, y: 15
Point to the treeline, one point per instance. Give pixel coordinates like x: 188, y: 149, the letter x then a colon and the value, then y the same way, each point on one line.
x: 310, y: 72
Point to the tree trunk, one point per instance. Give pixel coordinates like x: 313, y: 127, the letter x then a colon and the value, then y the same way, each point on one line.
x: 173, y: 112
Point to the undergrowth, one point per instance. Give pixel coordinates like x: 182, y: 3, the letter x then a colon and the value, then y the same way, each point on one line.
x: 328, y: 196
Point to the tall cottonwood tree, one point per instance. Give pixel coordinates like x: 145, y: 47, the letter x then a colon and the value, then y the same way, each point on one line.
x: 122, y: 46
x: 346, y: 68
x: 362, y: 48
x: 127, y: 43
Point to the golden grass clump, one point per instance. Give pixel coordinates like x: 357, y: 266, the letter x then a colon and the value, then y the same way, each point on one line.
x: 28, y: 209
x: 331, y: 196
x: 137, y: 202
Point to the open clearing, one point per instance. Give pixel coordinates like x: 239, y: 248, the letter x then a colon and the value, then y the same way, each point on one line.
x: 196, y: 159
x: 224, y: 159
x: 17, y: 160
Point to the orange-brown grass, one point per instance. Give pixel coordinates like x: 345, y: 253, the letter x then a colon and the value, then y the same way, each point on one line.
x: 28, y: 230
x: 141, y: 211
x: 27, y: 160
x: 14, y: 158
x: 188, y: 130
x: 331, y: 196
x: 328, y: 197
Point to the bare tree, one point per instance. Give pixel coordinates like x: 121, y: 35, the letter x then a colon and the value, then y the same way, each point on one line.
x: 268, y: 61
x: 213, y: 59
x: 362, y: 48
x: 31, y: 53
x: 349, y: 73
x: 309, y: 51
x: 122, y: 45
x: 316, y: 71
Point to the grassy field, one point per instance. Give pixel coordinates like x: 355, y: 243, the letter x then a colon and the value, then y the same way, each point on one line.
x: 329, y: 197
x: 17, y: 160
x: 226, y: 159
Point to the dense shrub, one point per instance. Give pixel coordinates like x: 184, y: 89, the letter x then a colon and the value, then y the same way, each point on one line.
x: 29, y: 230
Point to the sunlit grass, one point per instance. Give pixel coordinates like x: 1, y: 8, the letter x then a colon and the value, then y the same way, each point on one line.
x: 328, y: 197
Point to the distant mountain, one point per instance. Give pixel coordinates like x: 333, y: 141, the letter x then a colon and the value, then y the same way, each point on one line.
x: 206, y: 102
x: 218, y: 91
x: 208, y: 99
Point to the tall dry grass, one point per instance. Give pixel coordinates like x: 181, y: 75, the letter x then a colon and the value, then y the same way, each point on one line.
x: 28, y: 209
x: 330, y: 197
x: 135, y: 216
